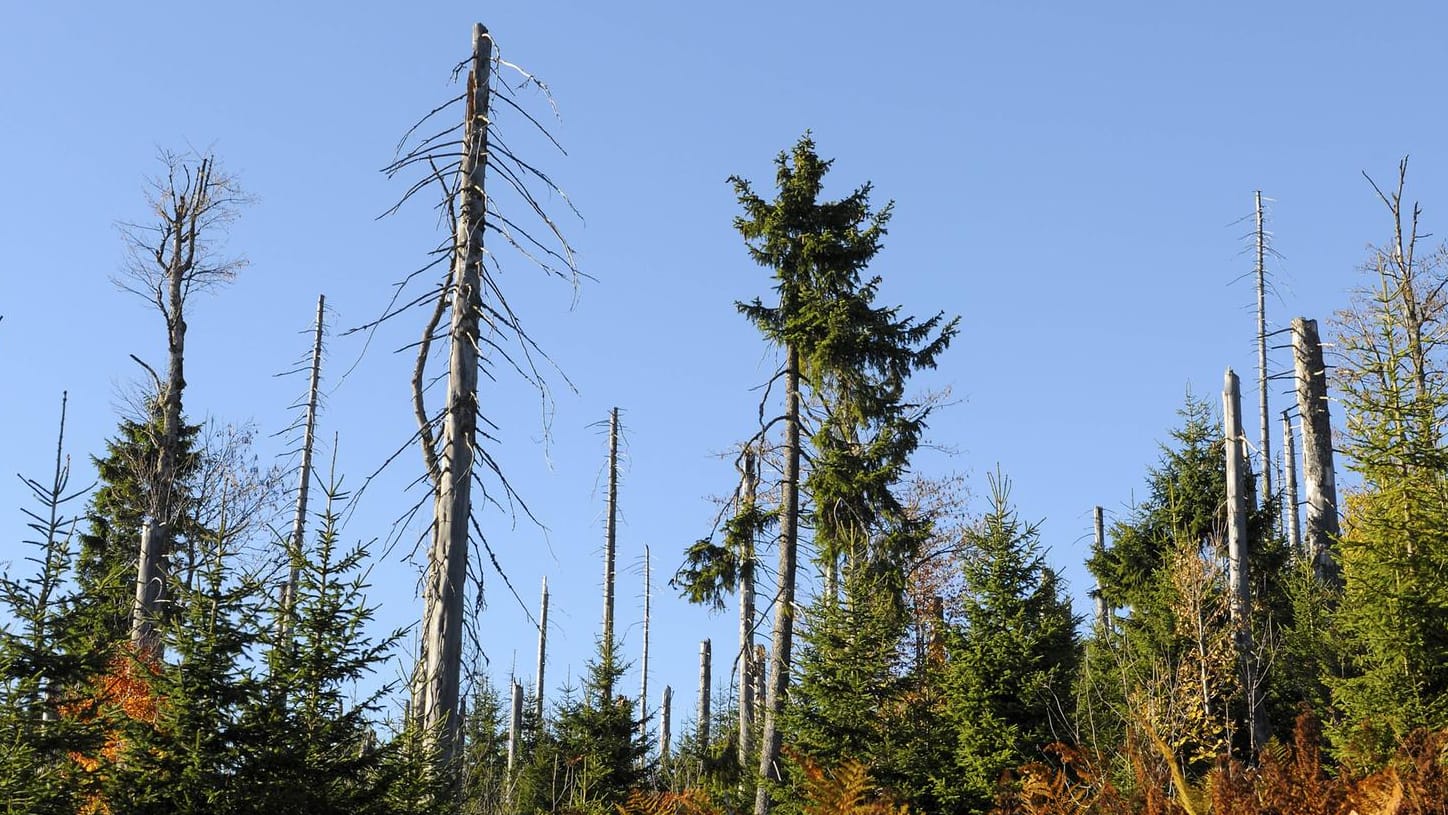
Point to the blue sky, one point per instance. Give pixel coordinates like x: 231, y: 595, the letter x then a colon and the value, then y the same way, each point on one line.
x: 1069, y: 178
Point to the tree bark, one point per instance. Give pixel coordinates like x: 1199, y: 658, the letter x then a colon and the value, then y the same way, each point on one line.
x: 1265, y: 438
x: 148, y: 594
x: 748, y: 487
x: 1098, y: 546
x: 705, y: 658
x: 665, y: 712
x: 515, y: 727
x: 609, y: 553
x: 304, y: 480
x: 1238, y: 558
x: 644, y: 667
x: 783, y: 634
x: 542, y: 648
x: 1319, y: 539
x: 438, y: 683
x: 1289, y: 485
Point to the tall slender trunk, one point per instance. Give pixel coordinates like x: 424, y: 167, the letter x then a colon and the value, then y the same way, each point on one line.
x: 666, y: 705
x: 304, y: 478
x: 609, y: 553
x: 515, y: 726
x: 784, y: 601
x: 436, y: 702
x: 542, y: 648
x: 1265, y: 437
x: 644, y: 666
x: 705, y: 664
x: 1289, y: 486
x: 1239, y: 501
x: 748, y: 487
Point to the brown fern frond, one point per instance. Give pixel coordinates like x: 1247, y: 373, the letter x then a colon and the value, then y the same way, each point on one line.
x: 846, y: 790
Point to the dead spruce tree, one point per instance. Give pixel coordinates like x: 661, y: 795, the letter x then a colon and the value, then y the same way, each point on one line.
x: 308, y: 427
x: 173, y: 257
x: 482, y: 333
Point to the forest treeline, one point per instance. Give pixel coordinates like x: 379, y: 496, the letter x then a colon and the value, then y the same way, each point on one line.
x: 167, y: 650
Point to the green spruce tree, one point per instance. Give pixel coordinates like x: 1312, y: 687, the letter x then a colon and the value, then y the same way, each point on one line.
x: 855, y: 358
x: 1013, y: 658
x: 49, y: 728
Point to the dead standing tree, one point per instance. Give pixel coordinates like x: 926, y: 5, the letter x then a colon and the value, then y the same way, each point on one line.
x: 1319, y: 538
x: 304, y: 469
x: 1239, y: 506
x: 171, y: 258
x: 457, y: 160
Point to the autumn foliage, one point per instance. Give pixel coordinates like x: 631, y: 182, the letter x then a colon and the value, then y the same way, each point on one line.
x: 1288, y: 780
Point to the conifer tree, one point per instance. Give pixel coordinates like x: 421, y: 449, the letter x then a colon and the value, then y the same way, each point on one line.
x: 106, y: 567
x: 857, y: 699
x: 1161, y: 662
x: 595, y: 754
x: 1014, y: 657
x: 1394, y: 548
x: 49, y: 731
x: 314, y: 749
x: 855, y: 358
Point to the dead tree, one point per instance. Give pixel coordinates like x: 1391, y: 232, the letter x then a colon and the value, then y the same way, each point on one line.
x: 1289, y: 485
x: 144, y: 636
x: 704, y: 666
x: 1239, y: 502
x: 761, y: 670
x: 1319, y: 538
x: 170, y: 259
x: 1098, y: 547
x: 748, y: 489
x: 644, y: 664
x: 436, y: 694
x: 456, y: 160
x: 610, y: 552
x: 304, y: 477
x: 1264, y: 439
x: 542, y: 648
x: 665, y: 713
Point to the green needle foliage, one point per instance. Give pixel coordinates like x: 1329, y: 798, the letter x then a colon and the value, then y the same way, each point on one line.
x: 856, y: 357
x: 47, y: 718
x: 1394, y: 549
x: 317, y: 751
x: 1013, y: 659
x: 108, y: 551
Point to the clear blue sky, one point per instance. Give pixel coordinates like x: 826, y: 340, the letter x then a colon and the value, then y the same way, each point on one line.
x: 1068, y: 178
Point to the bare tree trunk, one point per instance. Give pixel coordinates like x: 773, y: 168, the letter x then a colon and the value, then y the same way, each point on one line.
x: 304, y: 480
x: 665, y: 711
x: 1265, y: 438
x: 1098, y: 546
x: 761, y: 670
x: 705, y: 658
x: 1238, y: 562
x: 443, y: 598
x: 148, y: 595
x: 542, y: 648
x: 610, y: 552
x: 748, y: 487
x: 644, y: 667
x: 515, y: 727
x: 1289, y: 485
x: 1320, y: 536
x: 784, y: 601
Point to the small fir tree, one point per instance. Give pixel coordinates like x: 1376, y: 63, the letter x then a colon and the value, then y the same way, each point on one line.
x: 1013, y: 658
